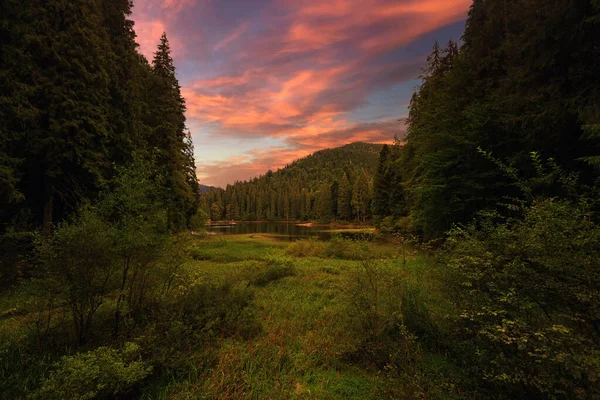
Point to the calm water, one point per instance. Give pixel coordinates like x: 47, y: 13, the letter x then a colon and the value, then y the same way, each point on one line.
x: 280, y: 230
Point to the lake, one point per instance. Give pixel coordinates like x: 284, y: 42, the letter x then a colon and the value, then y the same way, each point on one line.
x: 279, y: 230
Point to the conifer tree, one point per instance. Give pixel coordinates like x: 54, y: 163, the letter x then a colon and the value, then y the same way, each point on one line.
x: 66, y: 144
x: 381, y: 186
x: 361, y: 199
x: 345, y: 199
x: 169, y: 138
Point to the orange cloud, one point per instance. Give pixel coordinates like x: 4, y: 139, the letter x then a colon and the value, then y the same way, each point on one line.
x: 148, y: 35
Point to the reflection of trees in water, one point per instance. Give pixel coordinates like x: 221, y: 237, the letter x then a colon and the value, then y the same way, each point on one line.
x: 280, y: 230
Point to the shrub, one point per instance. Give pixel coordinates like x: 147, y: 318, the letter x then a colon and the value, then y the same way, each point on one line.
x: 530, y: 299
x: 97, y: 374
x: 374, y: 293
x: 78, y: 265
x: 387, y: 224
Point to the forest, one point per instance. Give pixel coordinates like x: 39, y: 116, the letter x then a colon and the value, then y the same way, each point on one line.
x: 325, y: 186
x: 481, y: 281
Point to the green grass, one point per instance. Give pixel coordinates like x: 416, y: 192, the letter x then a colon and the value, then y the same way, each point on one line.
x: 306, y: 340
x: 306, y: 333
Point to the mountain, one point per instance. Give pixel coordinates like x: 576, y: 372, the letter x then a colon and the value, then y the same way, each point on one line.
x: 326, y: 185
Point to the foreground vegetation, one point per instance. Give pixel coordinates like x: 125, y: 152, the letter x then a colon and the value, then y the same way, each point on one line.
x: 246, y: 317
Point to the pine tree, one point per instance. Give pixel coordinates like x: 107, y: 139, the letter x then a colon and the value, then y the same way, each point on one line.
x: 382, y: 186
x: 169, y: 138
x: 65, y: 146
x: 323, y: 206
x: 361, y: 199
x: 345, y: 199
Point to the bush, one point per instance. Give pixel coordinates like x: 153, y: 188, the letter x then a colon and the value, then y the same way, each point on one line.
x: 530, y: 299
x: 405, y: 225
x: 374, y: 293
x: 98, y: 374
x: 387, y: 224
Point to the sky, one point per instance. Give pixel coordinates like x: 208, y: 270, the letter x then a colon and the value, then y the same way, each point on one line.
x: 269, y: 81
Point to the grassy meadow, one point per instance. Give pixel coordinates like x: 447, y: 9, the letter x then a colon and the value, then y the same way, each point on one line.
x: 253, y: 318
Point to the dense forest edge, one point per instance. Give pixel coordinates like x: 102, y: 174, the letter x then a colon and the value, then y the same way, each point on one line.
x: 482, y: 282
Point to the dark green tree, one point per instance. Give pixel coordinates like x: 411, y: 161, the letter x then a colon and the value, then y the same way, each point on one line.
x: 381, y: 186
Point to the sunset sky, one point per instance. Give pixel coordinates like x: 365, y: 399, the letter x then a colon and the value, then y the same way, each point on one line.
x: 269, y: 81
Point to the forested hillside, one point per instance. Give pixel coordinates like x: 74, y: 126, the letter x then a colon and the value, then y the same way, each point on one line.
x: 327, y: 185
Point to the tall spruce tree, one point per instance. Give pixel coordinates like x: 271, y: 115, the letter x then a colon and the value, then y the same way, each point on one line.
x: 169, y: 138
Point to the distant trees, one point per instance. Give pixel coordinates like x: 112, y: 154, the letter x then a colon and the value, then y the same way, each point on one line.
x: 318, y: 187
x: 361, y: 197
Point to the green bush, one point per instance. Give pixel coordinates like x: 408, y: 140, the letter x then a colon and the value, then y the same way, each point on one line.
x: 98, y: 374
x: 374, y: 292
x: 387, y: 224
x: 530, y: 299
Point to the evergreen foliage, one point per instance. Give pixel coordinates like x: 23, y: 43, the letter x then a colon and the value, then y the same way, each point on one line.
x: 307, y: 189
x: 77, y: 101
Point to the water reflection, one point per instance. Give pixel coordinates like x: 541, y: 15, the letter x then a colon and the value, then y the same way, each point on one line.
x: 278, y: 230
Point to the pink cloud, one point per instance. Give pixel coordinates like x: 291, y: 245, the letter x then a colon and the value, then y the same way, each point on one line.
x: 297, y: 75
x: 235, y: 35
x: 148, y: 35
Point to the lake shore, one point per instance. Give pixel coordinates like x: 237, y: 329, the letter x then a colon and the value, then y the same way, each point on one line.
x: 335, y: 224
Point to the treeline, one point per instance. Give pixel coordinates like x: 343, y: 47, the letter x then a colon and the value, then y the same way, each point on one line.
x: 77, y: 102
x: 333, y: 184
x: 523, y: 80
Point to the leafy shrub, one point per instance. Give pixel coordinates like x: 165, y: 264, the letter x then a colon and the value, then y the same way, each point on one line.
x: 97, y: 374
x: 374, y: 293
x: 404, y: 225
x: 530, y: 298
x: 78, y: 265
x: 387, y: 224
